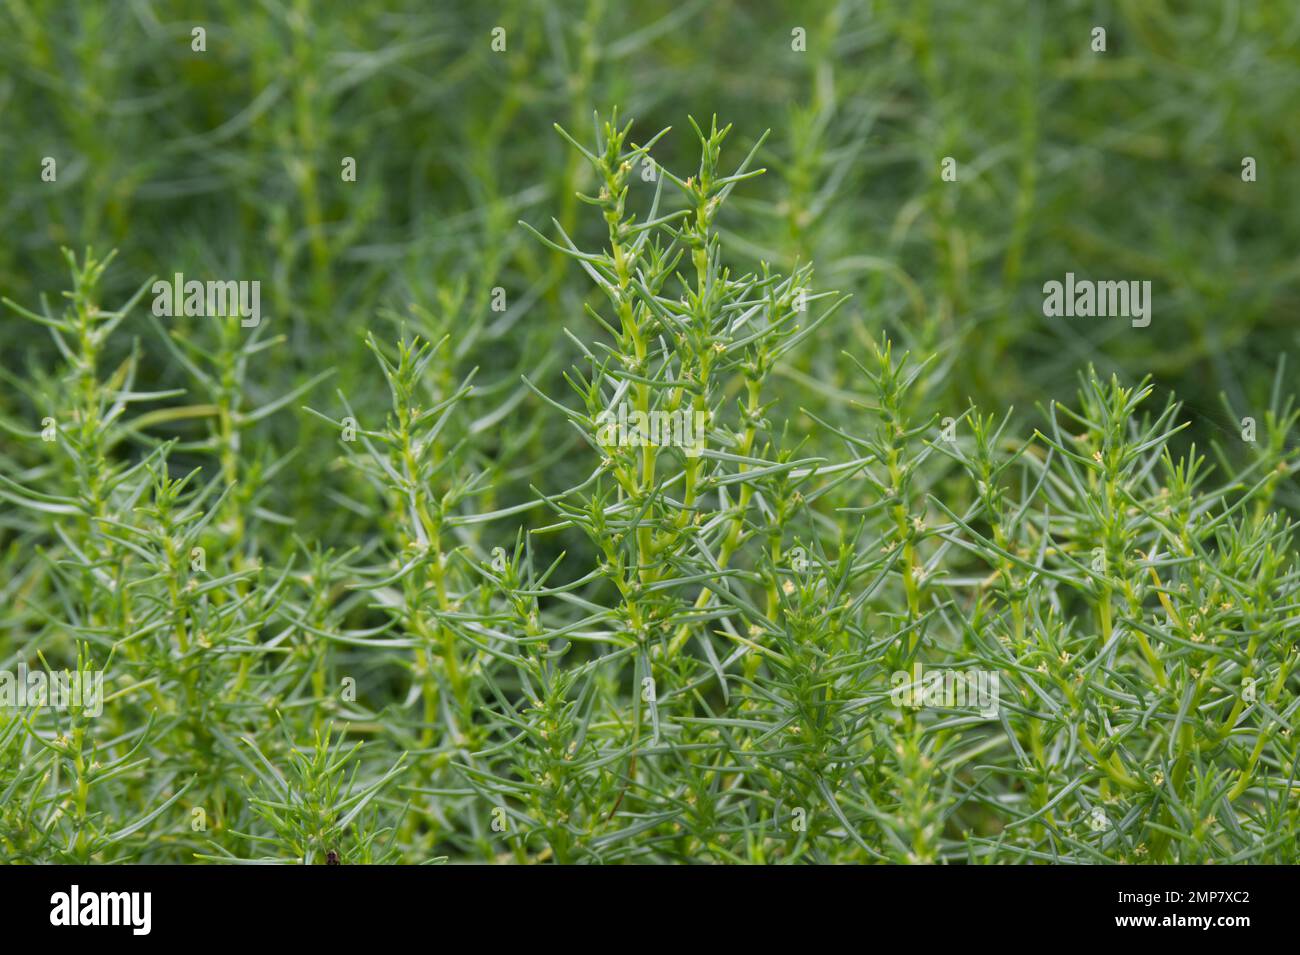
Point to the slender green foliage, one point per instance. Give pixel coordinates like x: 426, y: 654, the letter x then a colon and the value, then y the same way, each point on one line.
x: 702, y: 648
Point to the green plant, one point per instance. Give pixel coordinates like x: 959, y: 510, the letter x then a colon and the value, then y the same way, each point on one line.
x: 691, y: 652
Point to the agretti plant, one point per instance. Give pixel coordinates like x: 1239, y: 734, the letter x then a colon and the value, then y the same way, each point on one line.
x: 738, y: 636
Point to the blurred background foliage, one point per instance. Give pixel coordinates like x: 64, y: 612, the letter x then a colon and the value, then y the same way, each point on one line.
x: 226, y: 163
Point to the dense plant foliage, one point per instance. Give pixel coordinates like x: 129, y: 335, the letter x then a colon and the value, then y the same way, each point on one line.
x: 387, y: 576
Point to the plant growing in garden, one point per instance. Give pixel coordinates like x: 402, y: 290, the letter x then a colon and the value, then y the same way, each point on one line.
x: 691, y: 653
